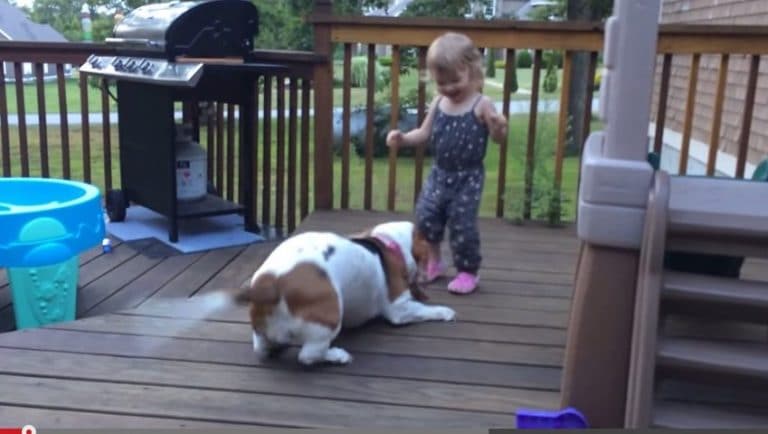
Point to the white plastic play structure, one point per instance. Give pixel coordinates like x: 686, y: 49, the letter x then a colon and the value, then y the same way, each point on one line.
x: 619, y: 352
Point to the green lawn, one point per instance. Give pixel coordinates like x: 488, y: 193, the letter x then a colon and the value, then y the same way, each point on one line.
x: 513, y: 193
x: 408, y: 82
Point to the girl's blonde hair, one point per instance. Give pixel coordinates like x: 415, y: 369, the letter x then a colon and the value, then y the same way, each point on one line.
x: 451, y: 51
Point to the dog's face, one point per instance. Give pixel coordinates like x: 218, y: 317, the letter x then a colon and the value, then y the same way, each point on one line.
x: 420, y: 249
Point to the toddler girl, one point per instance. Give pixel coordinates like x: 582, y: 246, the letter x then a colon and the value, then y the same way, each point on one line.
x: 458, y: 124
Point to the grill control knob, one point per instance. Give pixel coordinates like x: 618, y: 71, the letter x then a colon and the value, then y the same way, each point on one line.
x: 146, y: 67
x: 95, y: 62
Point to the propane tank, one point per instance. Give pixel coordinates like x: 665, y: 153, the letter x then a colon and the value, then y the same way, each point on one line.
x: 191, y: 166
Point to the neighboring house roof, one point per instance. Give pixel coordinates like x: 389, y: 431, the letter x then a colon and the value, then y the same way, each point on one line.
x: 15, y: 26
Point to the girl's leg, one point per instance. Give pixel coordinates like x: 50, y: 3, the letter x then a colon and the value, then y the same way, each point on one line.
x: 465, y: 236
x: 430, y: 221
x: 435, y: 265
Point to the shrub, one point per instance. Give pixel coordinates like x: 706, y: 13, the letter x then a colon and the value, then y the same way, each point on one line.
x: 550, y: 78
x: 524, y: 59
x: 360, y: 73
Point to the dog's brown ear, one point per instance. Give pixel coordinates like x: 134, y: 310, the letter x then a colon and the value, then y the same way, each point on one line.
x: 395, y: 269
x: 263, y: 291
x: 419, y: 248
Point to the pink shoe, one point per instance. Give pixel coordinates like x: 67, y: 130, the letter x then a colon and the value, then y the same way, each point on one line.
x: 435, y: 269
x: 463, y: 283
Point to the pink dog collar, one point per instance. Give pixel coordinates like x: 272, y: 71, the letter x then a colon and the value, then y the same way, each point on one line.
x: 391, y: 245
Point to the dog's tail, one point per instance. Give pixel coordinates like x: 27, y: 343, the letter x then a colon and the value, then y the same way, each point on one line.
x: 262, y: 290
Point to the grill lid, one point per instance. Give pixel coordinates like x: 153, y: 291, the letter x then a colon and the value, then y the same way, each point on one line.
x: 212, y: 28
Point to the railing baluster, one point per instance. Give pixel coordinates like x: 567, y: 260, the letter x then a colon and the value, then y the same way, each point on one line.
x: 85, y: 125
x: 280, y: 171
x: 661, y: 112
x: 106, y: 135
x: 345, y: 124
x: 292, y: 125
x: 42, y: 124
x: 63, y: 121
x: 586, y: 125
x: 230, y: 151
x: 394, y: 85
x: 370, y: 91
x: 690, y: 107
x: 22, y: 118
x: 562, y: 129
x: 717, y: 115
x: 501, y: 191
x: 5, y: 137
x: 746, y: 122
x: 306, y: 89
x: 210, y: 139
x: 422, y: 113
x: 220, y: 148
x: 266, y: 177
x: 255, y: 154
x: 530, y: 149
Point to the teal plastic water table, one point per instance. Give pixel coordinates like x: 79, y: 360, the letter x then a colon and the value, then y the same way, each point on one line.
x: 44, y: 226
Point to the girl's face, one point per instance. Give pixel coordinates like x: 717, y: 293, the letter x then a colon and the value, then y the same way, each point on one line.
x: 454, y: 85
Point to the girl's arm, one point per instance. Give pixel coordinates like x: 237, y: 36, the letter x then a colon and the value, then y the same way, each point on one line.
x: 416, y: 136
x: 497, y: 123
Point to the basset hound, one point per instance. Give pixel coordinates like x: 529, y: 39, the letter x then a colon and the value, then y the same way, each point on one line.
x: 316, y: 283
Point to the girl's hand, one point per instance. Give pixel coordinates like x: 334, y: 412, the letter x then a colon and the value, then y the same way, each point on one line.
x: 395, y: 138
x: 497, y: 123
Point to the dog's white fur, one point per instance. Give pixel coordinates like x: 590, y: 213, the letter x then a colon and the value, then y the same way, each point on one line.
x: 360, y: 284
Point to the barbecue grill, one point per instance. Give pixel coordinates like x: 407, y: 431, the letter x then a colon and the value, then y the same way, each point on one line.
x: 181, y: 51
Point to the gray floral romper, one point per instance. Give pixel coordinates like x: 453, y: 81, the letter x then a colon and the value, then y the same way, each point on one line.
x: 451, y: 194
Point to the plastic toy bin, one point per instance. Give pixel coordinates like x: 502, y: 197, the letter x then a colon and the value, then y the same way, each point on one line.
x: 44, y: 226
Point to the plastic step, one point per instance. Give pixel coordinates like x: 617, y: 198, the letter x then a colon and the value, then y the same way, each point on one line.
x: 718, y: 215
x: 669, y: 414
x: 713, y: 360
x: 715, y: 297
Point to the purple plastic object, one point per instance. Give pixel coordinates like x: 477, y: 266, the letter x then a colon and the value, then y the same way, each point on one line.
x: 568, y: 418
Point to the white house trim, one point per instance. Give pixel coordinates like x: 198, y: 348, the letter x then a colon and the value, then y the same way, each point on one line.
x: 725, y: 163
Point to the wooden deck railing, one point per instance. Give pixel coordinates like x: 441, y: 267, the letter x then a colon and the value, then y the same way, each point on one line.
x: 300, y: 169
x: 678, y: 42
x: 416, y: 33
x: 394, y: 34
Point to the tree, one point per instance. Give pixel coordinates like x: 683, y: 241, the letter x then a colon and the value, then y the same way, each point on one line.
x: 578, y: 10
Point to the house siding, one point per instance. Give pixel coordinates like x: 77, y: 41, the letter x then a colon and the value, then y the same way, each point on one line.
x: 729, y: 12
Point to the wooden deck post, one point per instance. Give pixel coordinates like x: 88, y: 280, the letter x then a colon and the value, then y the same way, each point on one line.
x: 323, y: 110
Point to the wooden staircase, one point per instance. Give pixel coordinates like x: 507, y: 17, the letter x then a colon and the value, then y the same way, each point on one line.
x: 700, y: 341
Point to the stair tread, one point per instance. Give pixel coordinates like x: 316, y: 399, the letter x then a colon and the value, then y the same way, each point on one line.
x: 690, y: 286
x: 740, y: 208
x: 714, y: 357
x: 671, y: 414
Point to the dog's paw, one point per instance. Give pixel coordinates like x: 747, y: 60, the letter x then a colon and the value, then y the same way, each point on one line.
x: 261, y: 348
x: 338, y: 355
x: 444, y: 313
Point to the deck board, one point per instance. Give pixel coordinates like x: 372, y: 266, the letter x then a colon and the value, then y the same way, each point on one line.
x: 149, y: 345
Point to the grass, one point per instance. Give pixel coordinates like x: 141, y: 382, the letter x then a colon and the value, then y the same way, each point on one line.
x: 405, y: 169
x: 408, y: 82
x: 513, y: 193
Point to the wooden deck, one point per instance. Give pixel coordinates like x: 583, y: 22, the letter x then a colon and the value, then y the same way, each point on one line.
x: 146, y: 352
